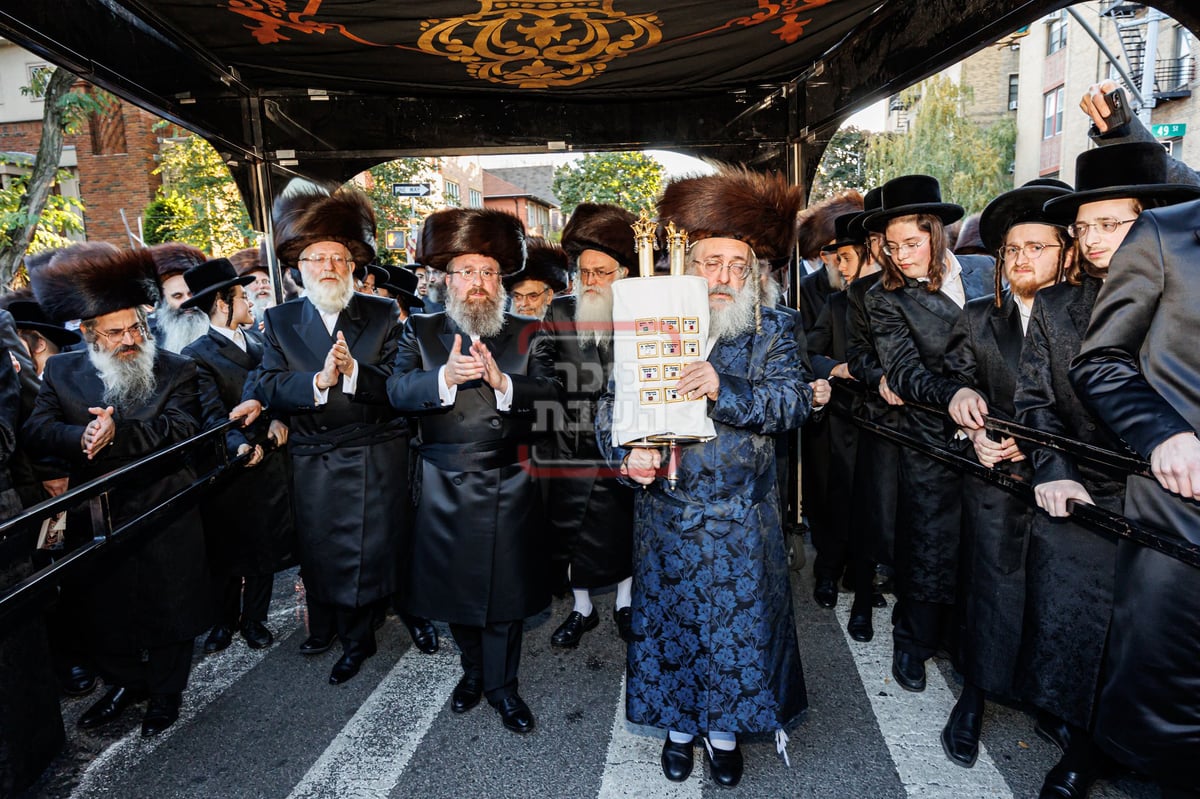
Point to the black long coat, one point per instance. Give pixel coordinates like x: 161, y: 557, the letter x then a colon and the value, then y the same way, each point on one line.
x: 155, y: 592
x: 984, y: 353
x: 1139, y: 368
x: 911, y: 326
x: 478, y: 554
x: 588, y: 515
x: 349, y: 456
x: 249, y: 521
x: 811, y: 293
x: 1069, y: 568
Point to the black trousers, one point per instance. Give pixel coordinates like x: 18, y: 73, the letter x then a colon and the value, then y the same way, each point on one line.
x: 921, y: 627
x: 354, y: 627
x: 245, y: 603
x: 159, y: 670
x: 494, y: 652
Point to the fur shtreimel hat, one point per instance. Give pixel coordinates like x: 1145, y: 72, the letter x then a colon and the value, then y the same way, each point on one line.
x: 545, y: 262
x: 174, y: 258
x: 251, y: 259
x: 459, y: 231
x: 736, y: 203
x: 310, y: 214
x: 604, y: 228
x: 816, y: 225
x: 92, y: 279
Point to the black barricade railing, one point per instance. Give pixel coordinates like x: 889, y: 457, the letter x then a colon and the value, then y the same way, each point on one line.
x: 1091, y: 516
x: 22, y: 595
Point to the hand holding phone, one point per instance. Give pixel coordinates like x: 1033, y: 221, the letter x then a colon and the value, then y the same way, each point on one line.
x: 1118, y: 107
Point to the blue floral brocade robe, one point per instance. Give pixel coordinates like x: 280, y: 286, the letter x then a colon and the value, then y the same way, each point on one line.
x: 712, y: 602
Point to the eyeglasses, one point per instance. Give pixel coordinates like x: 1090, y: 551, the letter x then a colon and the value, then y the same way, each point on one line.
x: 322, y: 259
x: 893, y: 249
x: 484, y: 274
x: 712, y: 266
x: 588, y: 275
x: 134, y: 332
x: 528, y: 296
x: 1032, y: 250
x: 1080, y: 229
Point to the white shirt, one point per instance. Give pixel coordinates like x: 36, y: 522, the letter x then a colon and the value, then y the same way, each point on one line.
x: 349, y: 382
x: 952, y: 285
x: 1025, y: 311
x: 448, y: 393
x: 233, y: 335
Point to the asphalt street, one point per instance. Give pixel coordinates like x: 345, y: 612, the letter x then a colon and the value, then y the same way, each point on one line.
x: 267, y: 724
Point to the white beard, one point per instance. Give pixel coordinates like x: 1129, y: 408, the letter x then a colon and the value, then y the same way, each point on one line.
x: 772, y: 291
x: 330, y: 299
x: 259, y: 307
x: 478, y: 319
x: 731, y: 319
x: 179, y: 328
x: 127, y: 383
x: 593, y: 317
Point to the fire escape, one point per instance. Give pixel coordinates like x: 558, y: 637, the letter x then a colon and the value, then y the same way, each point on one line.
x: 1172, y: 76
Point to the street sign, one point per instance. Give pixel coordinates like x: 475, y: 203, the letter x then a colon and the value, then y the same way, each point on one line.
x: 395, y: 239
x: 411, y: 190
x: 1173, y: 131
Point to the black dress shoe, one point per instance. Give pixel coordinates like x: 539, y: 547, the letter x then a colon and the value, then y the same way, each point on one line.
x: 1062, y: 783
x: 860, y: 625
x: 908, y: 670
x: 826, y: 593
x: 570, y: 631
x: 515, y: 714
x: 161, y: 712
x: 624, y: 619
x: 108, y: 708
x: 77, y: 681
x: 725, y: 765
x: 256, y: 634
x: 422, y: 632
x: 677, y: 760
x: 315, y: 645
x: 350, y: 662
x: 218, y: 639
x: 467, y: 693
x: 1053, y: 730
x: 960, y: 736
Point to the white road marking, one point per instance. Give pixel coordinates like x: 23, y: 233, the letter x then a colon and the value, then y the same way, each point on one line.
x: 632, y: 767
x: 368, y: 756
x: 911, y: 723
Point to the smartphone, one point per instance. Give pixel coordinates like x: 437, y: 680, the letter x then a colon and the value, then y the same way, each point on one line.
x: 1119, y: 108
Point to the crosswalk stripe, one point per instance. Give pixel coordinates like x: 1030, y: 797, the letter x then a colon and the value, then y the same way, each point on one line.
x: 632, y: 769
x: 371, y: 752
x: 911, y: 723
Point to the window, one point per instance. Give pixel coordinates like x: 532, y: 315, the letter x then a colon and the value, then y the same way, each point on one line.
x: 1053, y: 116
x: 1056, y: 32
x: 1013, y: 81
x: 453, y: 195
x: 475, y: 198
x: 37, y: 76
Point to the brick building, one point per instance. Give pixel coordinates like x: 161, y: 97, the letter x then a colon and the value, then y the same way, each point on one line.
x: 534, y: 211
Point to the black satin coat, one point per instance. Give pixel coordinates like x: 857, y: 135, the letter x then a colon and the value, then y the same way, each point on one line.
x: 349, y: 456
x: 587, y: 515
x: 478, y: 549
x: 249, y: 521
x: 156, y: 591
x: 1069, y: 568
x: 911, y: 327
x: 984, y: 353
x: 1139, y: 369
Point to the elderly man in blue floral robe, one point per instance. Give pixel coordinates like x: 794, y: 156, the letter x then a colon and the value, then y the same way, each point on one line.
x: 715, y: 650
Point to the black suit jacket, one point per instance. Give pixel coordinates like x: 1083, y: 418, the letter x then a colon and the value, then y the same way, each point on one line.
x: 984, y: 351
x: 813, y: 289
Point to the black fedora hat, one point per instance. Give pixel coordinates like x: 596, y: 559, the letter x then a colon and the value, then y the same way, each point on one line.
x: 401, y: 282
x: 208, y: 278
x: 379, y: 271
x: 846, y: 232
x: 1023, y: 205
x: 545, y: 262
x: 908, y: 195
x: 28, y: 315
x: 1137, y: 170
x: 872, y: 202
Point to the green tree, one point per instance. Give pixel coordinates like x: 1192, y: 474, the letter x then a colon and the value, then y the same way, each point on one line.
x: 973, y: 163
x: 843, y: 166
x: 203, y: 205
x: 398, y: 213
x: 631, y: 180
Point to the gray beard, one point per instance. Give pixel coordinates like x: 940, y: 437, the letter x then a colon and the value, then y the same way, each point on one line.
x: 127, y: 383
x: 259, y: 307
x: 433, y: 291
x: 729, y: 321
x: 179, y: 328
x: 330, y: 299
x: 593, y: 318
x: 772, y: 291
x: 479, y: 319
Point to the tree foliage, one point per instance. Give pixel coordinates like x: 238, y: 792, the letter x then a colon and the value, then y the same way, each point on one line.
x: 973, y: 163
x: 843, y: 166
x: 631, y: 180
x: 398, y: 213
x: 201, y: 204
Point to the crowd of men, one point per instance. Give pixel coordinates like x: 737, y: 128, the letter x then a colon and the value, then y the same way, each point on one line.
x: 438, y: 440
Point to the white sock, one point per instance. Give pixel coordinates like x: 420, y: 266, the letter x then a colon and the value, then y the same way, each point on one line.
x: 583, y: 601
x: 680, y: 737
x: 624, y: 593
x: 725, y: 741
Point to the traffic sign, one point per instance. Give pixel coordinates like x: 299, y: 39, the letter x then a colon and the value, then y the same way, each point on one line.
x: 411, y: 190
x: 395, y: 239
x: 1172, y: 131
